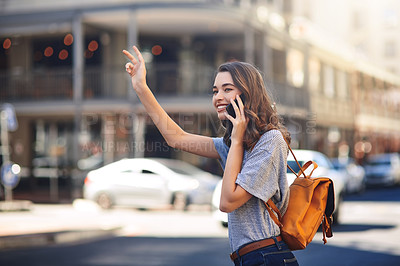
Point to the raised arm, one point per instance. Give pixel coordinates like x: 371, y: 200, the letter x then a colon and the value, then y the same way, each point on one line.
x: 174, y: 135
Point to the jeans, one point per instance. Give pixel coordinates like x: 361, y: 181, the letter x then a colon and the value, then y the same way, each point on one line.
x: 277, y: 254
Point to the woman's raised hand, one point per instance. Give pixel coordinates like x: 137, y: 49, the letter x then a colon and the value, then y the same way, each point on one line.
x: 136, y: 69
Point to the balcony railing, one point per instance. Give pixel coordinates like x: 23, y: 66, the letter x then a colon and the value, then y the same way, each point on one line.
x: 112, y: 83
x: 36, y: 85
x: 291, y: 96
x: 102, y: 83
x: 105, y: 83
x: 57, y: 84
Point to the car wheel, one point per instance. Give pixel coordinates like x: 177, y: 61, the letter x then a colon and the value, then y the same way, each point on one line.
x: 179, y: 201
x: 104, y: 200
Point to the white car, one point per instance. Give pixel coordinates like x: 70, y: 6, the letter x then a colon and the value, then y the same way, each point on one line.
x: 383, y: 169
x: 325, y: 169
x: 149, y: 183
x: 353, y: 173
x: 220, y: 216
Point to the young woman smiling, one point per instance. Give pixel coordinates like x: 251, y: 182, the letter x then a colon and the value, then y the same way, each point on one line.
x: 252, y: 152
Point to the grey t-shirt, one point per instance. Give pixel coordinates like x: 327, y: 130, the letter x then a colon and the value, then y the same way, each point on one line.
x: 263, y: 175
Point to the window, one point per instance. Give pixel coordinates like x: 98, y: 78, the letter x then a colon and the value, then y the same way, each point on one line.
x: 279, y: 66
x: 295, y: 74
x: 342, y: 84
x: 329, y: 81
x: 314, y: 74
x: 5, y: 49
x: 390, y: 49
x: 52, y: 52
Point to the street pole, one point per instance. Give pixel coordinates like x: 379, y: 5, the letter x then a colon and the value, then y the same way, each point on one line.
x: 5, y: 152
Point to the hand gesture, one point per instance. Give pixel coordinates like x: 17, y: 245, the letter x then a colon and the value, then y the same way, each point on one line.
x: 136, y: 69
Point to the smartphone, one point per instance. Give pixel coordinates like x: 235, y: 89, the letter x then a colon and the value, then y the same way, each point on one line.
x: 229, y: 108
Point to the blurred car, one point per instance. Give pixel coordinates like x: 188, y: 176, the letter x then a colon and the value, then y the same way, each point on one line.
x: 149, y: 183
x: 79, y: 173
x: 354, y: 174
x: 218, y: 215
x: 383, y: 169
x: 325, y: 169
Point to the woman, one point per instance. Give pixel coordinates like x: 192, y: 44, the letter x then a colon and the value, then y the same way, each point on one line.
x: 253, y: 154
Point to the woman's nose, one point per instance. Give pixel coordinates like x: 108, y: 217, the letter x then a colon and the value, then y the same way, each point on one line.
x: 218, y: 95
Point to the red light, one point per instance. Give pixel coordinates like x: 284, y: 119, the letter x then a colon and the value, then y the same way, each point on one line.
x: 156, y: 50
x: 93, y: 46
x: 48, y: 51
x: 7, y: 44
x: 63, y: 54
x: 68, y: 39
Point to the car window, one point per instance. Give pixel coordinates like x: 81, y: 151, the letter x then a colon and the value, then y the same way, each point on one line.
x: 322, y: 161
x: 379, y: 160
x: 145, y: 171
x: 338, y: 166
x: 294, y: 166
x: 373, y: 163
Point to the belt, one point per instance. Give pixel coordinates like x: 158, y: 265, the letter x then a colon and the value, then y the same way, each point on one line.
x: 254, y: 246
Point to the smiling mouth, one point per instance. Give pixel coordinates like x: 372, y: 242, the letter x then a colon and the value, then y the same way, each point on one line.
x: 221, y: 108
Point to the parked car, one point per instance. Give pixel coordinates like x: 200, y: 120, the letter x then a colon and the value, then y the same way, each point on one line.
x: 218, y: 215
x: 325, y: 169
x: 149, y: 183
x: 354, y: 174
x: 383, y: 169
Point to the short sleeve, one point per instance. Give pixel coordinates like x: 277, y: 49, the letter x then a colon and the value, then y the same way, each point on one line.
x: 222, y: 150
x: 264, y: 172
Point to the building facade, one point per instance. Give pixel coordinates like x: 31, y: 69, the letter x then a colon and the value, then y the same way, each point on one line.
x: 370, y: 26
x: 63, y: 70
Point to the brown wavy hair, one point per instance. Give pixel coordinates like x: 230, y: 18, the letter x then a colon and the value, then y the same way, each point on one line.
x: 259, y: 107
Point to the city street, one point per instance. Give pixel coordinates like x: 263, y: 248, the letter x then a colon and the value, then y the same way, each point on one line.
x: 368, y: 235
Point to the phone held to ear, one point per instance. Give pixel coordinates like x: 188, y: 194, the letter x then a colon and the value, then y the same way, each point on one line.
x: 229, y: 107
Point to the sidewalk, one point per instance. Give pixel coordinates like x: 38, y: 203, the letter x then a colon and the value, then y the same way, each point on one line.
x: 48, y: 224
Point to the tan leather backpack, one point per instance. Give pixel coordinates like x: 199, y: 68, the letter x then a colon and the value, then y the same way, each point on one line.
x: 311, y: 203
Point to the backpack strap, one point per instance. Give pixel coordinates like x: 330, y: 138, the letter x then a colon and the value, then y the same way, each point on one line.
x: 270, y: 205
x: 305, y: 166
x: 298, y: 164
x: 276, y: 217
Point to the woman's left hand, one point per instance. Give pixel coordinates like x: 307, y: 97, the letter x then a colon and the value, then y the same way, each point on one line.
x: 233, y: 195
x: 239, y: 123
